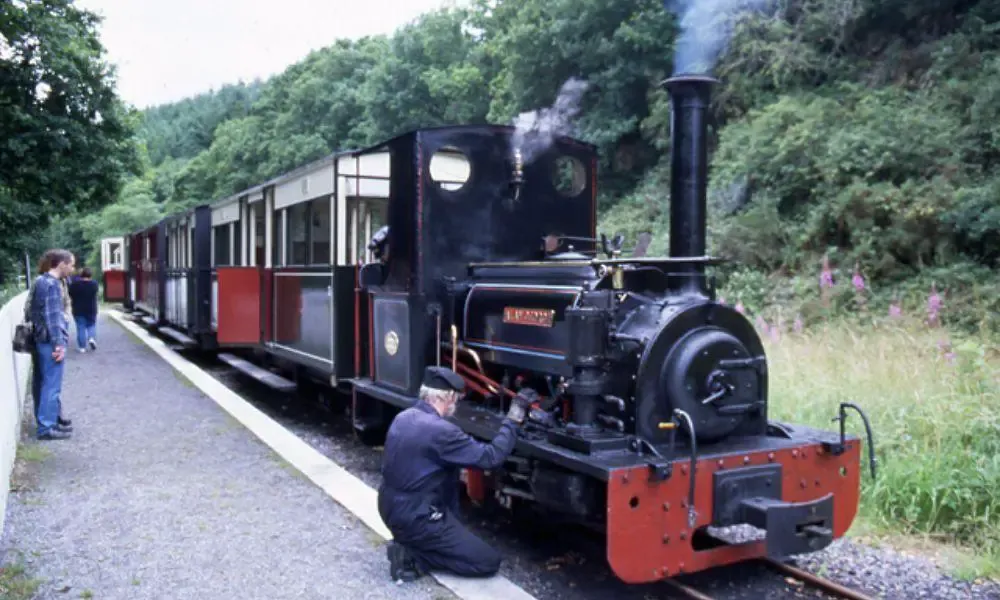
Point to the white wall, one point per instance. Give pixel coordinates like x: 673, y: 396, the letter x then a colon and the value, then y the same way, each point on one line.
x: 14, y: 388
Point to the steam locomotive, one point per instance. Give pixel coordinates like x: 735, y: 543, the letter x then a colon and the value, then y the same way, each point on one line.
x: 653, y: 420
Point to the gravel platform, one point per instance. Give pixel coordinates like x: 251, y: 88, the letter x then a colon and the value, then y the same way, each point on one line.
x: 160, y: 494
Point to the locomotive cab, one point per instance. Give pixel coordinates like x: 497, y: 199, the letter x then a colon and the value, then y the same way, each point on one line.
x: 453, y: 202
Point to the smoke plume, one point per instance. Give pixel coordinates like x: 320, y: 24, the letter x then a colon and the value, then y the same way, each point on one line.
x: 535, y: 130
x: 706, y: 27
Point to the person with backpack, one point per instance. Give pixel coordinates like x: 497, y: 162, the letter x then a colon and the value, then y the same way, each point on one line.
x: 83, y: 293
x: 50, y: 332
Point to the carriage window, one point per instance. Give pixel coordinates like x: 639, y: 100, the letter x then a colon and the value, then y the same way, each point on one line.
x: 278, y: 237
x: 377, y: 218
x: 569, y: 176
x: 115, y: 250
x: 178, y: 241
x: 237, y: 258
x: 188, y: 246
x: 221, y: 235
x: 298, y: 229
x: 449, y: 168
x: 320, y: 235
x: 365, y: 216
x: 260, y: 233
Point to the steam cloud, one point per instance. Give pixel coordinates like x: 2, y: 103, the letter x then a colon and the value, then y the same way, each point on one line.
x: 706, y: 27
x: 535, y: 130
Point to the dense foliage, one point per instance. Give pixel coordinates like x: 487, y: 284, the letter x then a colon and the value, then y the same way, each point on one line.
x: 66, y: 141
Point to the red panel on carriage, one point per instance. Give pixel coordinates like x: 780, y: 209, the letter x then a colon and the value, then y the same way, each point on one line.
x: 288, y: 305
x: 114, y: 286
x: 267, y: 302
x: 239, y: 306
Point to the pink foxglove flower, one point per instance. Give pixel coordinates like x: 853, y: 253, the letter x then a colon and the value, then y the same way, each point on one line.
x: 739, y: 308
x: 858, y: 281
x: 762, y: 324
x: 797, y: 325
x: 934, y: 304
x: 895, y: 310
x: 826, y: 275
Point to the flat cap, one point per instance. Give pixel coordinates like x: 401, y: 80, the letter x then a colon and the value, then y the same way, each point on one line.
x: 441, y: 378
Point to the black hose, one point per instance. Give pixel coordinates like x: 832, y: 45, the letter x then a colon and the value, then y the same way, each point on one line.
x: 868, y: 430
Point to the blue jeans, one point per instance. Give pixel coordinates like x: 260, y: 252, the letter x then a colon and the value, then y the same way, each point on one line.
x: 49, y: 402
x: 86, y: 328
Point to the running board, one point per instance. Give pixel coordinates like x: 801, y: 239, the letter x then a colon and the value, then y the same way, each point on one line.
x: 149, y: 321
x: 370, y: 388
x: 271, y: 380
x: 177, y: 335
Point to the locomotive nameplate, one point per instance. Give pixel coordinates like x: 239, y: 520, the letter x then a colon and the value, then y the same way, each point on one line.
x: 536, y: 317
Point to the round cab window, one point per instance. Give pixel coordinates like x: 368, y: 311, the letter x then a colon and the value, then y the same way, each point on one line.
x: 449, y: 169
x: 569, y: 176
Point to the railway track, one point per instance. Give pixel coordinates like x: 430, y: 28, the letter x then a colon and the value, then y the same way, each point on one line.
x: 832, y: 589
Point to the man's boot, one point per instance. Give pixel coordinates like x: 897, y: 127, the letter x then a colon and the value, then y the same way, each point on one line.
x: 402, y: 567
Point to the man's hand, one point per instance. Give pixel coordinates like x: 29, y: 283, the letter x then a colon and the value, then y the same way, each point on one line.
x: 520, y: 405
x: 59, y: 353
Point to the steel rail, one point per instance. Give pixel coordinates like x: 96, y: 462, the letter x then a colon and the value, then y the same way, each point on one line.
x: 817, y: 581
x: 810, y: 579
x: 688, y: 591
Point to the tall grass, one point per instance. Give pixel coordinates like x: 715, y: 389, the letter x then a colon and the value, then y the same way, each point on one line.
x: 935, y: 411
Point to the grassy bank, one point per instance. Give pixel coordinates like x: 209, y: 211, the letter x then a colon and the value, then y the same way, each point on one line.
x: 16, y: 583
x: 935, y: 409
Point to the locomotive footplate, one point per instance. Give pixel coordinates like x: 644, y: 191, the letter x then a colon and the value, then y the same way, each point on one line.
x: 752, y: 495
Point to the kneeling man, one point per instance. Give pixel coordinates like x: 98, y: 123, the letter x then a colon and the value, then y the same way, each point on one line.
x: 418, y: 498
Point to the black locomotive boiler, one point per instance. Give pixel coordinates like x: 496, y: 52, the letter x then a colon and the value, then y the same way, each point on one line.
x: 652, y: 424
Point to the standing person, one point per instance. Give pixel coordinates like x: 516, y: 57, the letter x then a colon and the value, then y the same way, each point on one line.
x: 418, y: 498
x: 51, y: 332
x: 83, y: 293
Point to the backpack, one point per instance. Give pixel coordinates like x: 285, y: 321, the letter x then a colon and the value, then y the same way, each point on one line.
x: 24, y: 332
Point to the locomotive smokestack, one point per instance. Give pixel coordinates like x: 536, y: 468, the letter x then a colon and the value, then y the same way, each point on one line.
x: 689, y: 99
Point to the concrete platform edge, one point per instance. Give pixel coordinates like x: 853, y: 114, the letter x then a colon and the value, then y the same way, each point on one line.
x: 343, y: 487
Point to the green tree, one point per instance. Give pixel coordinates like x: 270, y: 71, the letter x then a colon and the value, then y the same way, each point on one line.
x: 623, y: 50
x: 65, y: 138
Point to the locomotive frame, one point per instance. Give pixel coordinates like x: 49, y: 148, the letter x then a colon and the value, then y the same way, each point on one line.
x: 653, y: 423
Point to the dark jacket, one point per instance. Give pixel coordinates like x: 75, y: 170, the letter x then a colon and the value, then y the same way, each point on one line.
x: 83, y: 293
x: 422, y: 459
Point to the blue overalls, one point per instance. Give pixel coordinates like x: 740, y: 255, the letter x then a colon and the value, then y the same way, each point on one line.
x: 418, y: 498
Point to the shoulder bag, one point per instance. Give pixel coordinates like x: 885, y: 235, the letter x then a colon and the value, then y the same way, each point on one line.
x: 24, y: 332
